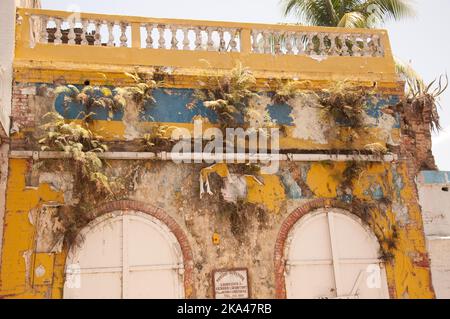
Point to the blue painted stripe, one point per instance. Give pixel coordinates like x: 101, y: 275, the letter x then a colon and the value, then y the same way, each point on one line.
x: 171, y: 106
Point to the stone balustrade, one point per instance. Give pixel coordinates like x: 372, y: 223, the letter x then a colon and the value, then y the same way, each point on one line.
x: 59, y: 38
x: 311, y: 43
x: 75, y: 30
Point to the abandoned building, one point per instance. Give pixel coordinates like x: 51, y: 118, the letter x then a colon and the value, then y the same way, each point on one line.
x: 93, y: 204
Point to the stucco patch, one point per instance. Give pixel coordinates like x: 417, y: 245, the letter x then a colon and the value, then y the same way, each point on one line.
x: 307, y: 120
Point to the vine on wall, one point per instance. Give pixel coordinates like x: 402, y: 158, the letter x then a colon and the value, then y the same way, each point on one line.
x: 90, y: 180
x: 83, y: 147
x: 232, y: 96
x: 373, y: 212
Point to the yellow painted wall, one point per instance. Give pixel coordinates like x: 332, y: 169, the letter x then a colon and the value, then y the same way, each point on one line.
x: 407, y: 277
x: 17, y: 271
x: 19, y: 260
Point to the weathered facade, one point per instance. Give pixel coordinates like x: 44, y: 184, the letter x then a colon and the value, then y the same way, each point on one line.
x: 201, y: 217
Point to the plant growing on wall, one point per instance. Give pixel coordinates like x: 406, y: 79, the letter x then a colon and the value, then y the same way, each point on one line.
x: 130, y: 99
x: 424, y: 99
x: 80, y: 144
x: 83, y: 148
x: 284, y: 91
x: 140, y: 92
x: 231, y: 96
x: 344, y: 103
x: 91, y: 97
x: 90, y: 180
x: 376, y: 149
x: 158, y: 139
x: 341, y: 104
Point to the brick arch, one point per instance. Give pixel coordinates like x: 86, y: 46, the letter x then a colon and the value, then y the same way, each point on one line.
x: 161, y: 215
x: 288, y: 224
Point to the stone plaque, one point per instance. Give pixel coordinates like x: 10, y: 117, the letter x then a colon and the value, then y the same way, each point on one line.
x: 231, y: 284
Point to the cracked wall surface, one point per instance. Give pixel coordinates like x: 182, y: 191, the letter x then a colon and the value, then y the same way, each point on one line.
x: 231, y: 219
x: 246, y: 240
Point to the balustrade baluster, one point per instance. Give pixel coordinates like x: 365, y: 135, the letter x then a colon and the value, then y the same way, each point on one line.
x: 210, y: 42
x: 289, y: 43
x: 72, y: 34
x: 233, y: 41
x: 84, y: 27
x: 365, y: 51
x: 222, y: 43
x: 186, y: 42
x: 174, y: 40
x: 162, y: 39
x: 97, y: 36
x: 333, y: 46
x: 58, y: 33
x: 299, y: 43
x: 123, y: 35
x: 149, y: 39
x: 310, y: 44
x: 277, y: 42
x: 266, y: 40
x: 344, y: 46
x: 321, y: 49
x: 356, y: 49
x: 255, y: 44
x: 198, y: 38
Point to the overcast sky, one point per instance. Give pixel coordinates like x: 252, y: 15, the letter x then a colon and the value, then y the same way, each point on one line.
x: 422, y: 40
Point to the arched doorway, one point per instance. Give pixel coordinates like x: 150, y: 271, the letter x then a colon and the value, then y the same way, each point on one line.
x: 330, y: 253
x: 125, y: 255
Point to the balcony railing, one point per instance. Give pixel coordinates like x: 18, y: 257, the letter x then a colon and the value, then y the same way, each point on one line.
x: 182, y: 43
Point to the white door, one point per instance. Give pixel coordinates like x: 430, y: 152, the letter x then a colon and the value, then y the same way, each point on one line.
x: 125, y: 256
x: 332, y: 255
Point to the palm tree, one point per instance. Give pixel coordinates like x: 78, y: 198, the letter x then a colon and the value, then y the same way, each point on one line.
x: 348, y: 13
x: 354, y: 14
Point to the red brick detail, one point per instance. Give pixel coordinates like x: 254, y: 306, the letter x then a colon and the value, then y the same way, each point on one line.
x: 21, y: 112
x: 131, y: 205
x: 422, y: 260
x: 290, y: 221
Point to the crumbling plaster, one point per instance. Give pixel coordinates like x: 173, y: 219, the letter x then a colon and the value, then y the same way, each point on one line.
x: 243, y: 213
x: 175, y: 189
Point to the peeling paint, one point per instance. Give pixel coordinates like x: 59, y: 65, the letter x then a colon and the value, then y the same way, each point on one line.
x: 401, y: 214
x: 293, y: 191
x: 385, y: 123
x: 59, y: 182
x: 271, y: 194
x: 235, y: 188
x: 307, y: 120
x: 31, y: 245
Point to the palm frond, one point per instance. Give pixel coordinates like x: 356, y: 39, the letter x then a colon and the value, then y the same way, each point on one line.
x: 392, y: 9
x: 311, y: 12
x: 348, y: 13
x: 352, y: 20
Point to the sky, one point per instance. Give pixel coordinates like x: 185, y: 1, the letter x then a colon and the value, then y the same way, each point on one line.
x: 422, y: 40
